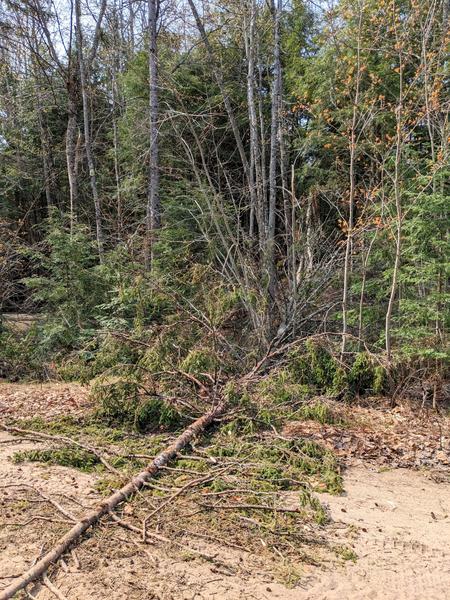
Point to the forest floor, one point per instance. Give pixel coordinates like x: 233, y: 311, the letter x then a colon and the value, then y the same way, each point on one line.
x: 386, y: 536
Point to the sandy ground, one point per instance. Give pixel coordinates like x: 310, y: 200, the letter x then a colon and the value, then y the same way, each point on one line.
x: 396, y: 521
x: 403, y: 522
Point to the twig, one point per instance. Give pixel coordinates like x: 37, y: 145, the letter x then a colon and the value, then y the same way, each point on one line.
x: 75, y: 559
x: 240, y: 491
x: 215, y: 539
x: 188, y: 485
x: 55, y: 591
x: 250, y: 507
x: 44, y: 497
x: 38, y: 518
x: 160, y: 538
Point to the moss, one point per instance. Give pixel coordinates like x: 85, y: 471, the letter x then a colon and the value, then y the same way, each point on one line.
x: 106, y: 485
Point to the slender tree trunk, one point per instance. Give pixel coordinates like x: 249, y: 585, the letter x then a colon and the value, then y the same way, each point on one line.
x: 114, y: 93
x: 71, y: 146
x: 87, y: 130
x: 153, y: 220
x: 256, y: 197
x: 274, y: 150
x: 399, y: 215
x: 262, y: 136
x: 351, y: 216
x: 45, y: 148
x: 286, y: 197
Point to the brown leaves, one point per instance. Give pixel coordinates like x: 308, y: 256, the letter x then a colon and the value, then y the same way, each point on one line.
x: 46, y: 400
x: 398, y: 438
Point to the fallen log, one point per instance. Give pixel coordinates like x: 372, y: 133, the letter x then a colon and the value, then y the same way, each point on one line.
x: 110, y: 503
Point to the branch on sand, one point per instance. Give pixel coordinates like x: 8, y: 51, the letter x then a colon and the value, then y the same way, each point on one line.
x: 110, y: 503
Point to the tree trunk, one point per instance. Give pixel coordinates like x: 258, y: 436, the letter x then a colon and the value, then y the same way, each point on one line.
x: 274, y: 151
x: 226, y: 99
x: 71, y: 145
x: 351, y: 216
x: 399, y: 216
x: 153, y: 219
x: 45, y: 148
x: 255, y: 183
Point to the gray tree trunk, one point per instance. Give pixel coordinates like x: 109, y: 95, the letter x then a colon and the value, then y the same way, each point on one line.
x: 153, y: 219
x: 274, y: 149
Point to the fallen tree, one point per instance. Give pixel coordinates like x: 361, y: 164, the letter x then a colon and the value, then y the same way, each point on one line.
x: 110, y: 503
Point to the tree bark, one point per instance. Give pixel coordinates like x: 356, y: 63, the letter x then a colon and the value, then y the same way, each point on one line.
x: 351, y: 217
x: 274, y: 150
x: 255, y: 183
x: 153, y: 218
x: 399, y: 215
x: 71, y: 145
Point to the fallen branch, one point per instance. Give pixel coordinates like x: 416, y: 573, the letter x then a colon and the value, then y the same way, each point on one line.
x: 110, y: 503
x: 171, y: 498
x: 161, y: 538
x: 249, y: 507
x: 55, y: 591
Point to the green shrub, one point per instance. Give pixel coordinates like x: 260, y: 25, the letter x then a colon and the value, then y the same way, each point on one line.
x: 124, y: 403
x: 380, y: 380
x: 361, y: 375
x: 318, y: 411
x: 22, y: 357
x: 279, y: 388
x: 154, y: 413
x: 314, y: 367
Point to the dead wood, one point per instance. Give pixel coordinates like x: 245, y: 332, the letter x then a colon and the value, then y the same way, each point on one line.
x: 54, y: 590
x: 110, y: 503
x: 45, y: 498
x: 171, y: 498
x: 161, y: 538
x: 249, y: 507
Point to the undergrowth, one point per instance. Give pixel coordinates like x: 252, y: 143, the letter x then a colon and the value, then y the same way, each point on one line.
x: 74, y: 457
x: 124, y: 402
